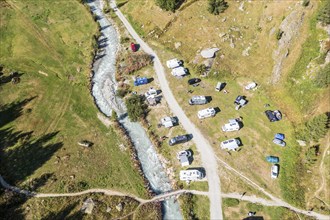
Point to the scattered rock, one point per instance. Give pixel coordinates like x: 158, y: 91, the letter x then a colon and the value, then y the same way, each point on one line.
x: 177, y: 45
x: 301, y: 143
x: 222, y: 35
x: 209, y: 52
x: 88, y: 206
x: 108, y: 209
x: 232, y: 45
x: 245, y: 52
x: 241, y: 7
x: 224, y: 19
x: 119, y: 207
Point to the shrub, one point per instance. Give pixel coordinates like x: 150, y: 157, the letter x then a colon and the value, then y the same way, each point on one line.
x: 311, y: 155
x: 169, y: 5
x: 136, y: 108
x: 254, y: 207
x: 201, y: 69
x: 121, y: 93
x: 322, y: 78
x: 305, y: 3
x: 124, y: 40
x: 217, y: 6
x: 279, y: 34
x: 134, y: 62
x: 230, y: 202
x: 313, y: 129
x: 324, y: 13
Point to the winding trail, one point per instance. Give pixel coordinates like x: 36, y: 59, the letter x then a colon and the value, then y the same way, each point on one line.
x: 203, y: 146
x: 162, y: 197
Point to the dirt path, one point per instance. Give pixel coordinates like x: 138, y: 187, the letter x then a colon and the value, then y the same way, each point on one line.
x: 322, y: 170
x: 203, y: 146
x: 162, y: 197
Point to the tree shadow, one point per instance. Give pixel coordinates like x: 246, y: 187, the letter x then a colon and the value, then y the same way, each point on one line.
x: 9, y: 112
x: 65, y: 213
x: 20, y: 159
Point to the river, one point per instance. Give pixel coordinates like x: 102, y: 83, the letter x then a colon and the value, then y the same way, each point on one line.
x: 104, y: 88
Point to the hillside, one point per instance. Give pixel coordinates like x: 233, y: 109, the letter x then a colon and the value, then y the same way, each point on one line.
x: 44, y: 116
x: 250, y: 50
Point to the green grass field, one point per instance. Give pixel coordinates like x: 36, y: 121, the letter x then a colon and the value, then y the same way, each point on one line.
x: 45, y: 115
x: 196, y: 29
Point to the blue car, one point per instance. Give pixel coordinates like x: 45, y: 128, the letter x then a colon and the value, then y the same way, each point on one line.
x: 280, y: 136
x: 273, y: 159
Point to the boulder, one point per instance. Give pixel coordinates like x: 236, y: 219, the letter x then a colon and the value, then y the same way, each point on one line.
x: 209, y: 52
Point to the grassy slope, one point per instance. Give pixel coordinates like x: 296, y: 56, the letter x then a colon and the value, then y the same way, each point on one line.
x: 195, y: 28
x: 55, y: 38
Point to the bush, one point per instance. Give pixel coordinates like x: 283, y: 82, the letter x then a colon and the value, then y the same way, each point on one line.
x: 188, y: 204
x: 322, y: 78
x: 230, y: 202
x: 314, y: 129
x: 305, y: 3
x: 169, y: 5
x: 311, y: 155
x: 324, y: 13
x: 279, y: 34
x: 135, y: 107
x: 217, y: 6
x: 201, y: 69
x: 124, y: 40
x: 121, y: 93
x: 254, y: 207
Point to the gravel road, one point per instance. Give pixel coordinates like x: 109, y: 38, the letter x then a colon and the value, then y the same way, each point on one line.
x: 203, y: 146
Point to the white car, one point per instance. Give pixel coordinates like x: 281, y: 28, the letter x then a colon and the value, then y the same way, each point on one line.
x: 274, y: 171
x: 184, y: 152
x: 251, y: 86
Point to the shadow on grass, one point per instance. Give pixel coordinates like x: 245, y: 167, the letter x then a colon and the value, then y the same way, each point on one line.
x: 10, y: 112
x: 21, y: 158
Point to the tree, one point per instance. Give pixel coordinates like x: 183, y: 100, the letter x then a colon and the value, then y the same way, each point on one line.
x: 168, y: 5
x: 314, y: 129
x: 322, y: 78
x: 324, y: 13
x: 201, y: 69
x: 217, y: 6
x: 136, y: 108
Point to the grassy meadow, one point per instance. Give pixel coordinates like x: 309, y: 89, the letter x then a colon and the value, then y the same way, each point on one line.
x: 50, y: 44
x: 193, y: 29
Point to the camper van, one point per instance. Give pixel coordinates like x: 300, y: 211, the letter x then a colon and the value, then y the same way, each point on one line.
x: 205, y: 113
x: 219, y: 86
x: 168, y: 122
x: 191, y: 175
x: 198, y: 100
x: 173, y: 63
x: 179, y: 71
x: 233, y: 125
x: 231, y: 144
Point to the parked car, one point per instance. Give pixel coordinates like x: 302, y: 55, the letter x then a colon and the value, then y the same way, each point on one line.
x: 273, y: 115
x: 178, y: 140
x: 279, y: 142
x: 194, y: 81
x: 280, y: 136
x: 273, y: 159
x: 274, y: 171
x: 250, y: 86
x: 183, y: 152
x: 219, y: 86
x: 140, y: 81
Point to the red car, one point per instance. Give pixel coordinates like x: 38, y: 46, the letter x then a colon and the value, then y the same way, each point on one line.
x: 133, y: 47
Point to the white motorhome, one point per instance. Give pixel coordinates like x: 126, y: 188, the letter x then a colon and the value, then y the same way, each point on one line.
x: 173, y: 63
x: 168, y: 122
x: 198, y: 100
x: 191, y: 175
x: 233, y: 125
x: 179, y: 71
x: 231, y: 144
x: 205, y: 113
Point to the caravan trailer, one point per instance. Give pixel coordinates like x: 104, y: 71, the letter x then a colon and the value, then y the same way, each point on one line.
x: 233, y: 125
x: 179, y: 71
x: 198, y: 100
x: 205, y: 113
x: 173, y: 63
